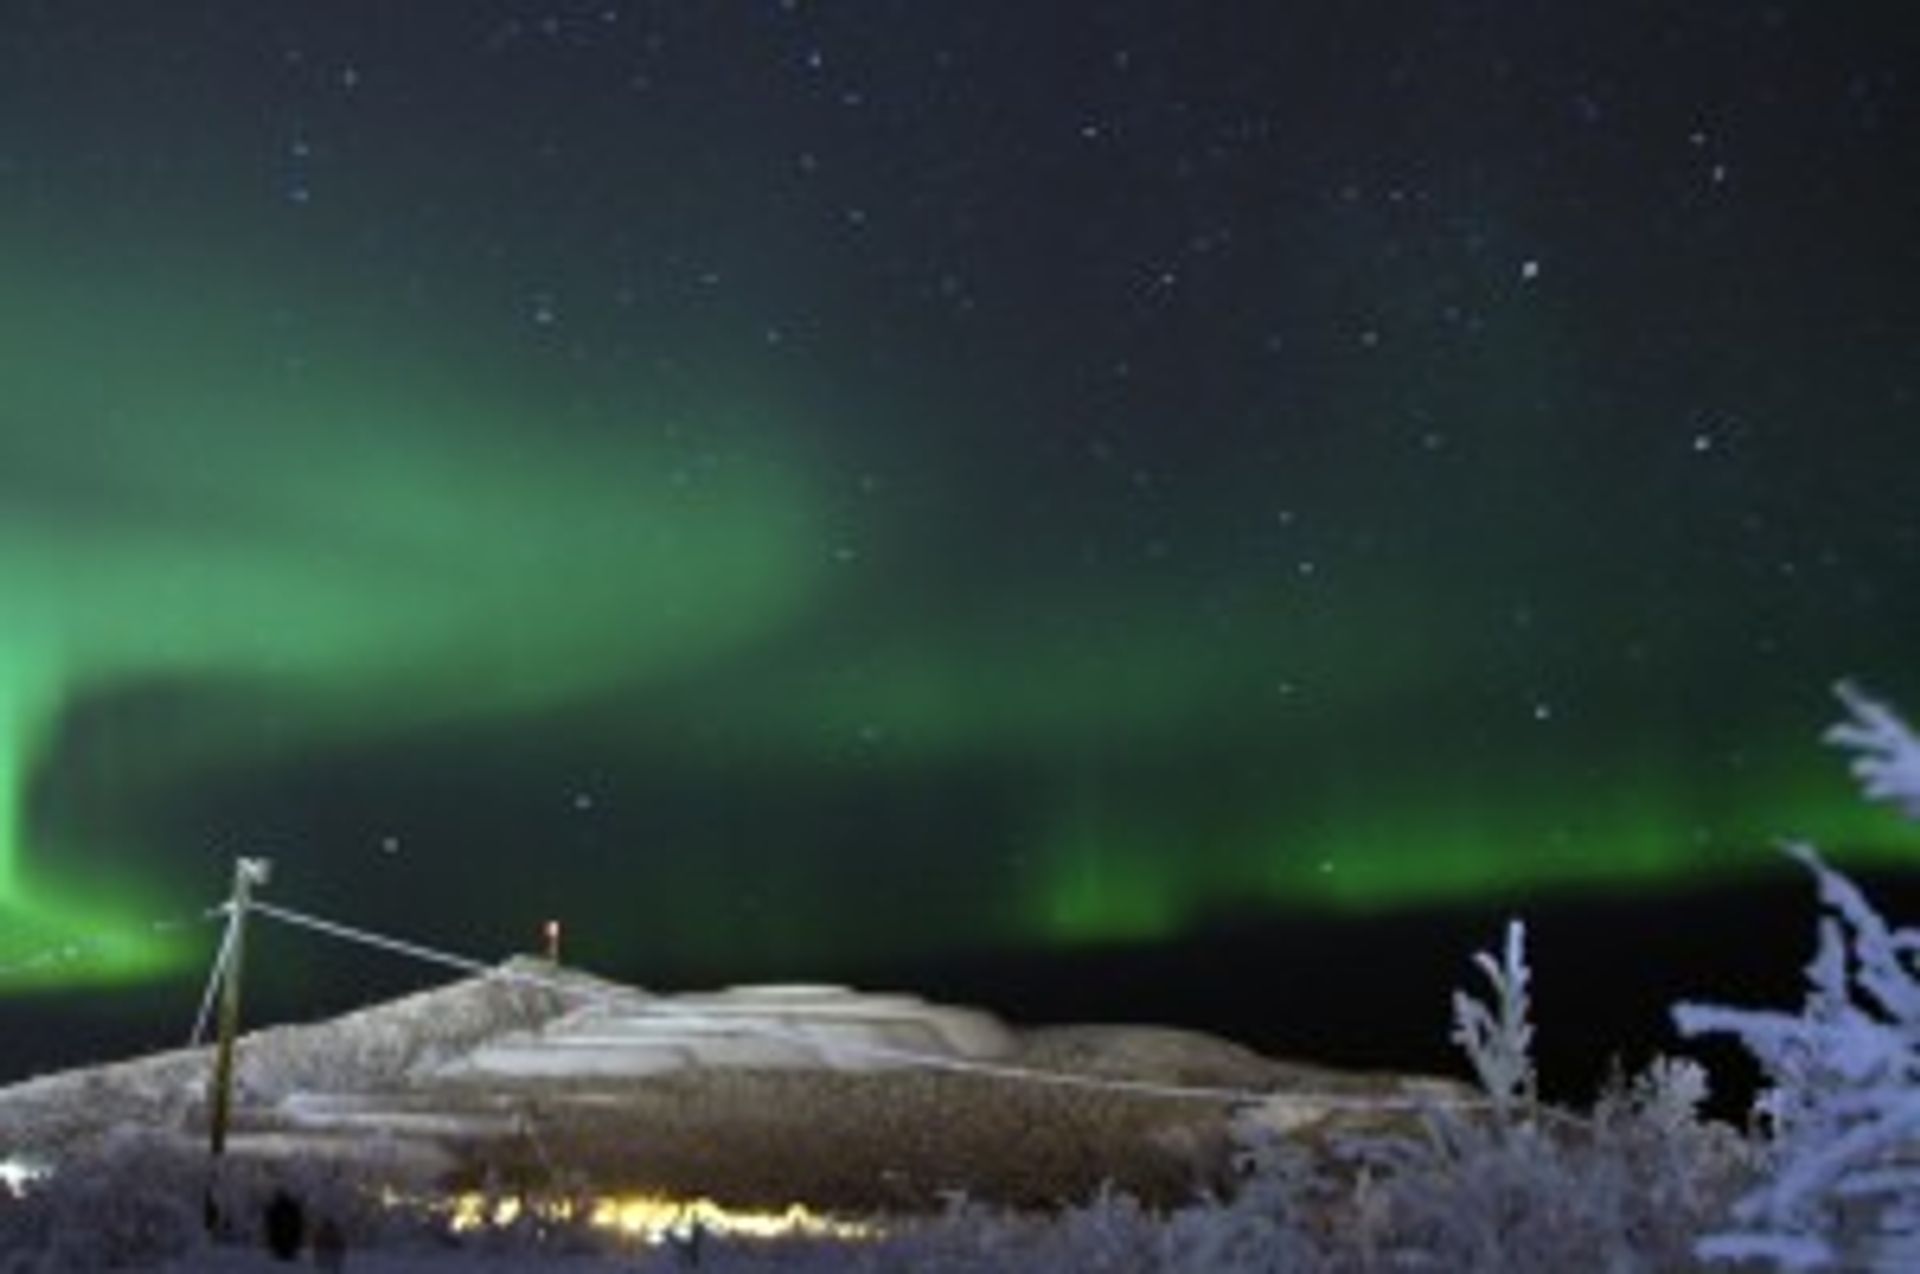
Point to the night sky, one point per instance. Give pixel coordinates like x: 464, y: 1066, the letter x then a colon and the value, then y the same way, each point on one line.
x: 1091, y: 506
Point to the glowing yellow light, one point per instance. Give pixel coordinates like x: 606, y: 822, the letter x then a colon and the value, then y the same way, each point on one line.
x: 655, y: 1219
x: 477, y: 1211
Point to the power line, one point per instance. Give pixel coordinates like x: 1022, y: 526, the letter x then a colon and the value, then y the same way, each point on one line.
x: 397, y: 946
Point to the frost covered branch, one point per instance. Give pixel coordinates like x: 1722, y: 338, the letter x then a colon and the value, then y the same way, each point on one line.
x: 1497, y: 1035
x: 1845, y: 1098
x: 1887, y: 755
x: 1845, y: 1071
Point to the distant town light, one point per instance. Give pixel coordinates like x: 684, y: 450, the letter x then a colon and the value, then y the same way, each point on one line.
x: 653, y: 1219
x: 16, y: 1174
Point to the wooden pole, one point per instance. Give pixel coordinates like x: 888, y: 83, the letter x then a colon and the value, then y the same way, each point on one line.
x: 247, y: 872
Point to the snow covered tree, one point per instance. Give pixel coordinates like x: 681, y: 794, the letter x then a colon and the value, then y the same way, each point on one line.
x: 1844, y: 1102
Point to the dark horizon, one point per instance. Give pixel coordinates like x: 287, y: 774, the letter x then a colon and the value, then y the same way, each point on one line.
x: 1359, y: 994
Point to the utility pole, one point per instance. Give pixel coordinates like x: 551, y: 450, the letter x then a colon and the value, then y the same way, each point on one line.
x: 247, y: 872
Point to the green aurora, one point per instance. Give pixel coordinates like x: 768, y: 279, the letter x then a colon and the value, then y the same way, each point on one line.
x: 391, y: 538
x: 387, y: 544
